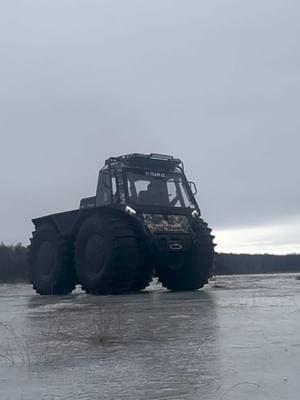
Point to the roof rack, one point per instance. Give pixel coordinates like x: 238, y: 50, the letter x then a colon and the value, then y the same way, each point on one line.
x: 145, y: 159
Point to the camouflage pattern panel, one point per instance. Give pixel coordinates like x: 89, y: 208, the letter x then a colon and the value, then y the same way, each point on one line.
x: 159, y: 223
x: 120, y: 185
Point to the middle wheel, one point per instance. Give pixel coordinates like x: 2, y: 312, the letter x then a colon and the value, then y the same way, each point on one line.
x: 107, y: 255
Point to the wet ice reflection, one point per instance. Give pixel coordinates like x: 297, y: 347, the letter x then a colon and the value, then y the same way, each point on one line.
x: 211, y: 344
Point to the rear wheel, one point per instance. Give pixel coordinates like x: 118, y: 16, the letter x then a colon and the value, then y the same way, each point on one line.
x: 108, y: 256
x: 51, y: 262
x: 192, y: 270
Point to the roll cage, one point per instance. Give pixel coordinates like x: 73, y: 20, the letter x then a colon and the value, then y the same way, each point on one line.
x: 114, y: 185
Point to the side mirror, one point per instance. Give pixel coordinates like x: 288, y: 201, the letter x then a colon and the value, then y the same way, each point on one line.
x: 193, y: 188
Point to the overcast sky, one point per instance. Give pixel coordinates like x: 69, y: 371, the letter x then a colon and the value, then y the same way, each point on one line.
x: 215, y: 82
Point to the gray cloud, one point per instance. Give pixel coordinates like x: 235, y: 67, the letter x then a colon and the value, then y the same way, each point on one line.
x: 217, y: 84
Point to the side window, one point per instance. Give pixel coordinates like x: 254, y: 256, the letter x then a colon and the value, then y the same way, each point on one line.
x: 114, y: 187
x: 141, y: 186
x: 103, y: 189
x: 173, y: 193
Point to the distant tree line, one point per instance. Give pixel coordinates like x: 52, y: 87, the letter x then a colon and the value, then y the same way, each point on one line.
x: 230, y: 264
x: 13, y: 266
x: 13, y: 263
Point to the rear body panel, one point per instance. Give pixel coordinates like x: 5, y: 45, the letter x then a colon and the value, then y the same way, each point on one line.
x: 64, y: 221
x: 67, y: 222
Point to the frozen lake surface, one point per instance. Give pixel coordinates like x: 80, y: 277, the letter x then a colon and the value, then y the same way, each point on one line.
x: 239, y: 338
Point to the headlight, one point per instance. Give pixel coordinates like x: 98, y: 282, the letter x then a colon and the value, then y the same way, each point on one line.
x: 130, y: 210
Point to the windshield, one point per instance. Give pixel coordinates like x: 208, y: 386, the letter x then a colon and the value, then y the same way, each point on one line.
x: 158, y: 189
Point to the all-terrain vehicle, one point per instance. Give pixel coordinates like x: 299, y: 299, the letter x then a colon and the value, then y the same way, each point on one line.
x: 144, y: 220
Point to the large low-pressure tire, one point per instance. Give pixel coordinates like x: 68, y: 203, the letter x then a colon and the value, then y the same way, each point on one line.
x: 108, y: 256
x: 192, y: 270
x: 144, y: 274
x: 51, y: 262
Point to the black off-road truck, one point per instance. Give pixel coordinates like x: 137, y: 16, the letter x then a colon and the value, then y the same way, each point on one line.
x: 144, y: 220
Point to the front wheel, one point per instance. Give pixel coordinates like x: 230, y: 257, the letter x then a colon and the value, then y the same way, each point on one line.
x: 191, y: 270
x: 108, y: 255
